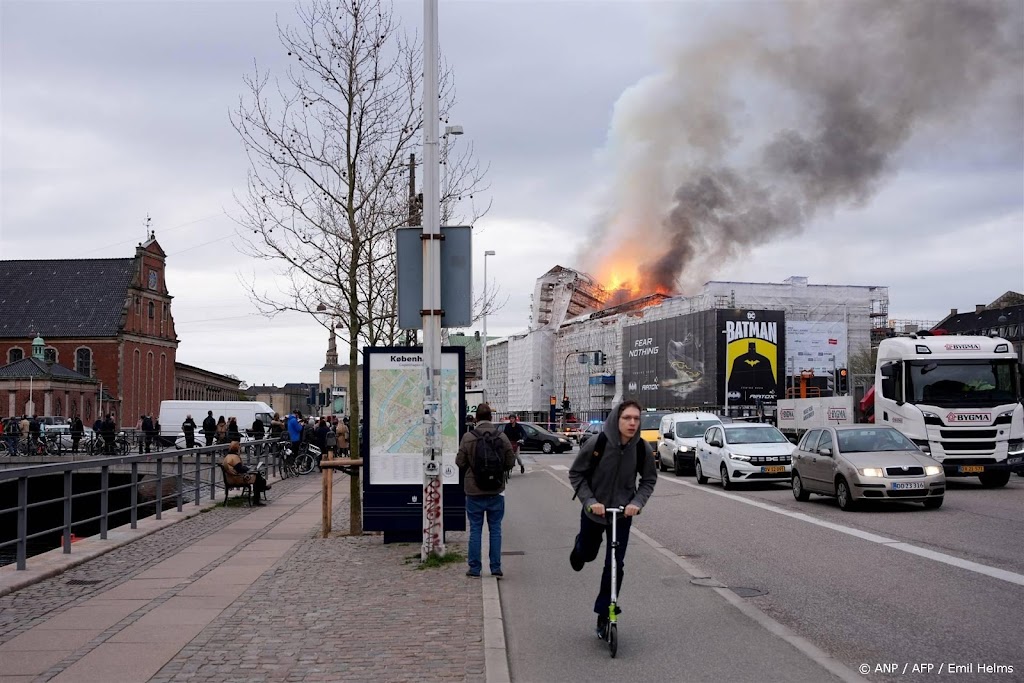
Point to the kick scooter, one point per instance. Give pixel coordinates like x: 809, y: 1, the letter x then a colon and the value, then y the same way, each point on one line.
x: 611, y: 632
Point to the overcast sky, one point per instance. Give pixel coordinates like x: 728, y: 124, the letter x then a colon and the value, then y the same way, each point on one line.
x: 112, y: 111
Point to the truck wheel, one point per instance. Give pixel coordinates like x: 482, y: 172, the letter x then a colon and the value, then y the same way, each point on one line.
x: 994, y: 480
x: 798, y: 489
x: 844, y: 496
x: 933, y: 503
x: 698, y: 473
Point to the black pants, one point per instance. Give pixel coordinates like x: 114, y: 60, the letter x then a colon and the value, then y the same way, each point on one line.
x: 209, y: 438
x: 588, y: 543
x: 190, y: 440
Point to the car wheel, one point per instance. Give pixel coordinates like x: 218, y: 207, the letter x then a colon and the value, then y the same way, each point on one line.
x: 698, y: 472
x: 547, y: 448
x: 844, y: 496
x: 799, y: 492
x: 933, y: 503
x: 994, y: 480
x: 726, y: 484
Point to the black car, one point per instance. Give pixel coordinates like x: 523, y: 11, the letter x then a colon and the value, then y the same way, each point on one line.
x: 539, y: 439
x: 591, y: 430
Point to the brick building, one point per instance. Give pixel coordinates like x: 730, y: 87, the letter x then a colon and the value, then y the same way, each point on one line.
x: 108, y: 319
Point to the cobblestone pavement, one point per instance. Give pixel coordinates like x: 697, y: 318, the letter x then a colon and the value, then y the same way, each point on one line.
x: 336, y: 609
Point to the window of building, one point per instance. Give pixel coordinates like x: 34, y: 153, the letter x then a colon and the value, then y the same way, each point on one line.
x: 83, y: 361
x: 50, y: 354
x: 15, y: 354
x: 138, y: 305
x: 152, y: 310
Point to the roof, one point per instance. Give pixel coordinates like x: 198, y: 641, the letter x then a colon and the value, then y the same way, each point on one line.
x: 33, y: 367
x: 64, y: 298
x: 981, y: 322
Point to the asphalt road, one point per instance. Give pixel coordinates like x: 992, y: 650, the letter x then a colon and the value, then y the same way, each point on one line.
x: 885, y: 586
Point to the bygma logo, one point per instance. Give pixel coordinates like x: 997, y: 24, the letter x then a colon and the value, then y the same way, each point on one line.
x: 787, y: 414
x: 969, y: 417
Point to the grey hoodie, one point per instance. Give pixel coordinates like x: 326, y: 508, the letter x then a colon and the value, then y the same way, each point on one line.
x: 614, y: 480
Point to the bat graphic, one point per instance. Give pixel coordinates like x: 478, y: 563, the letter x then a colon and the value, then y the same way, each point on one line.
x: 751, y: 363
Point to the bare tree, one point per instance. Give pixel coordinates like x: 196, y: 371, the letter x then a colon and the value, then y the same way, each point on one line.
x: 326, y: 188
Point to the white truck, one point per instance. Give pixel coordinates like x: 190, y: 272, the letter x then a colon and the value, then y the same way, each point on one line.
x: 173, y: 414
x: 794, y: 416
x: 957, y: 398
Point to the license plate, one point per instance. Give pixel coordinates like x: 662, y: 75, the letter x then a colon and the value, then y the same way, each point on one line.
x: 898, y: 485
x: 971, y: 469
x: 774, y: 469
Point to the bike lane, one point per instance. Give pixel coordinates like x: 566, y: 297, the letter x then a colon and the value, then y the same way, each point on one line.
x: 670, y: 630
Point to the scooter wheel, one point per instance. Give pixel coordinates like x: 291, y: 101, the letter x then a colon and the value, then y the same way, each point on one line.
x: 613, y: 639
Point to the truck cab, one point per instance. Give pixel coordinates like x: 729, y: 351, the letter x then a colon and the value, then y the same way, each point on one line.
x: 957, y: 398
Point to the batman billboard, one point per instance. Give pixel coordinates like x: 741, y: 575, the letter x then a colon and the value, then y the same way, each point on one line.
x: 691, y: 360
x: 752, y: 349
x: 670, y: 363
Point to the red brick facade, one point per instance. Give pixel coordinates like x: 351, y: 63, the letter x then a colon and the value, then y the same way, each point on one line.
x: 136, y: 367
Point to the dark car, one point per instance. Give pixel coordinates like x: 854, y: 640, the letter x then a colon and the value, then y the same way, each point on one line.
x: 591, y: 430
x: 539, y: 439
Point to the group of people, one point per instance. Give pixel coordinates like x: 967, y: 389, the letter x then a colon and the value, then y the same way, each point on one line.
x: 148, y: 430
x: 616, y: 470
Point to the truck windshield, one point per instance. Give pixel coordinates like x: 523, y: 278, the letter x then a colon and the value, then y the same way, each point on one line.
x: 962, y: 382
x: 694, y: 428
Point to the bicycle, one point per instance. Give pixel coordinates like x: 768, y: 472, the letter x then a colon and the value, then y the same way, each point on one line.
x: 611, y: 630
x: 287, y: 462
x: 308, y: 459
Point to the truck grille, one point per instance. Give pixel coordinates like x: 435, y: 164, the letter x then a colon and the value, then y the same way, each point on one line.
x: 967, y: 433
x: 949, y: 446
x: 900, y: 472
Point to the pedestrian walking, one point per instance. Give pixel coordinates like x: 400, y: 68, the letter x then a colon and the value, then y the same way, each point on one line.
x: 209, y: 428
x: 231, y: 431
x: 516, y: 435
x: 485, y: 455
x: 222, y: 430
x: 604, y: 474
x: 331, y: 441
x: 77, y: 430
x: 342, y: 432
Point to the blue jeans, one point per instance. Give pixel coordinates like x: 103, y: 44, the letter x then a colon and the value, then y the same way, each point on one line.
x: 476, y: 506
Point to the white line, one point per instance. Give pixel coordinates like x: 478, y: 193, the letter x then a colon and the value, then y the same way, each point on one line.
x: 994, y: 572
x: 560, y: 468
x: 801, y: 644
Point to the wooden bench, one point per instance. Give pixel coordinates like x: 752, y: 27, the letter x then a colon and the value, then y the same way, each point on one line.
x: 233, y: 480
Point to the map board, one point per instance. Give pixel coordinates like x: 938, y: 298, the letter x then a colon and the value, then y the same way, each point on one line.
x: 394, y: 407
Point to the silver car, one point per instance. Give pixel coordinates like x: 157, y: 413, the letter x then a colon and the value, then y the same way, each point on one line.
x: 862, y: 462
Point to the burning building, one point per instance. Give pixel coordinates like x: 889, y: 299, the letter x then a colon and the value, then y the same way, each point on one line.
x: 733, y: 342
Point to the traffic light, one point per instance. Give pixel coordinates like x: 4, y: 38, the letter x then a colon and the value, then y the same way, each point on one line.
x: 311, y: 400
x: 599, y: 358
x: 843, y: 386
x: 565, y: 404
x: 554, y: 400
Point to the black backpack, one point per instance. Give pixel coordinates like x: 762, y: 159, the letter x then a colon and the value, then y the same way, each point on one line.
x: 602, y: 441
x: 488, y: 464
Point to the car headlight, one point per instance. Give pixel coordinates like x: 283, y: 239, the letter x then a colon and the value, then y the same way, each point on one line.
x: 871, y: 472
x: 932, y: 470
x: 685, y: 449
x: 563, y: 440
x: 734, y: 456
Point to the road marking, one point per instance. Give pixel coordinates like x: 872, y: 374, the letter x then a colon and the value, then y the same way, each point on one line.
x: 994, y: 572
x: 801, y: 644
x: 560, y: 468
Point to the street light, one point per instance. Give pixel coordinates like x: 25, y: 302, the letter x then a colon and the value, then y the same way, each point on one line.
x: 449, y: 131
x: 483, y: 350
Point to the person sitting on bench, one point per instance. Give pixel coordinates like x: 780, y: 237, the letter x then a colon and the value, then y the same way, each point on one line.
x: 235, y: 466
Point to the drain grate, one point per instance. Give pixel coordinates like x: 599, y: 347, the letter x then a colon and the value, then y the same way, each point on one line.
x: 513, y: 552
x: 83, y: 582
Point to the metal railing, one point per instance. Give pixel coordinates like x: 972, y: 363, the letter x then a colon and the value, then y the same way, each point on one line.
x: 197, y: 465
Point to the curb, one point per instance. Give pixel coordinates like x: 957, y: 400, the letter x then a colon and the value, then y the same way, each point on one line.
x: 495, y: 652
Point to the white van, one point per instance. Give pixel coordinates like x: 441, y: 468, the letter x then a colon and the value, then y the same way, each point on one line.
x: 173, y: 414
x: 678, y: 438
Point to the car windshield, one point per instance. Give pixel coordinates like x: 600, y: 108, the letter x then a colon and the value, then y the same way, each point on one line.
x: 695, y: 428
x: 542, y: 431
x: 766, y: 434
x: 960, y: 382
x: 871, y: 440
x: 650, y: 420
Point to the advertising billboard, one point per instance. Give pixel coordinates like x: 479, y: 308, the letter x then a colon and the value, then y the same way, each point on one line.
x: 752, y: 347
x: 815, y: 345
x: 670, y: 363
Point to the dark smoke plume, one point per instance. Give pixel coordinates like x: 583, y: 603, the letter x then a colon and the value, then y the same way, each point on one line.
x: 838, y: 87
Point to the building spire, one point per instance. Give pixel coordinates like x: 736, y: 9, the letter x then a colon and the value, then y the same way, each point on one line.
x: 332, y: 347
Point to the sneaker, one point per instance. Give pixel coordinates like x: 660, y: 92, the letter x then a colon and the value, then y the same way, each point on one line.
x: 575, y: 560
x: 472, y: 574
x: 602, y: 626
x: 498, y: 574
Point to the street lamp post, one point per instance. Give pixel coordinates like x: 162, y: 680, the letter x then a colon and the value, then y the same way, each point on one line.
x: 483, y: 349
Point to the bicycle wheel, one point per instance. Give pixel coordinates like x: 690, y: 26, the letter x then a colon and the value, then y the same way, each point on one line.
x: 3, y: 449
x: 305, y: 463
x: 613, y: 638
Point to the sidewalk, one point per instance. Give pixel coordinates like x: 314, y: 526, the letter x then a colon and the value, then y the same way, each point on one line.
x: 250, y: 594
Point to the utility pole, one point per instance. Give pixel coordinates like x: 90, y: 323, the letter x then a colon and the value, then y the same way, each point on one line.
x: 433, y: 503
